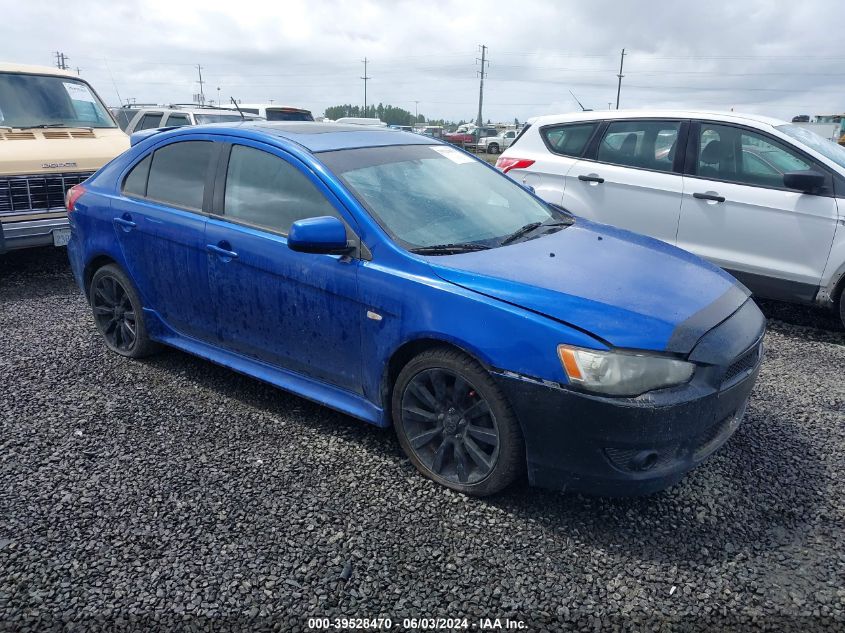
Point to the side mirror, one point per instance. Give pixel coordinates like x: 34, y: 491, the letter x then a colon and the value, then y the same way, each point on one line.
x: 323, y: 235
x: 806, y: 181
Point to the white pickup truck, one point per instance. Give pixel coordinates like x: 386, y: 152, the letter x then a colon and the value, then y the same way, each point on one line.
x: 496, y: 144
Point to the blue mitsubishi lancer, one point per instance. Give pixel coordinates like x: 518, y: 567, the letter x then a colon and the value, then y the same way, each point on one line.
x: 401, y: 281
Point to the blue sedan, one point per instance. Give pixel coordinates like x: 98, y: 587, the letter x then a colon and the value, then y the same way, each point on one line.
x: 403, y: 282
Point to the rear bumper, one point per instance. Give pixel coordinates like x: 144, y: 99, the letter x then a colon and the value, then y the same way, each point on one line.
x: 30, y: 233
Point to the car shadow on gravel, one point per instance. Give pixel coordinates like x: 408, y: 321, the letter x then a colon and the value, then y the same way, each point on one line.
x: 801, y: 315
x: 756, y: 493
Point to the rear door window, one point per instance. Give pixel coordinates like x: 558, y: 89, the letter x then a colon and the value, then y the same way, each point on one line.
x: 641, y: 144
x: 178, y: 173
x: 149, y: 121
x: 177, y: 120
x: 568, y: 140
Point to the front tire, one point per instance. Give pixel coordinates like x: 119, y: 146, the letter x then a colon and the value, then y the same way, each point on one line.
x: 118, y: 313
x: 493, y: 148
x: 455, y: 425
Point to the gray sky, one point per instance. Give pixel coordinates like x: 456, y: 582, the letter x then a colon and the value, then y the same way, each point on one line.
x: 765, y: 56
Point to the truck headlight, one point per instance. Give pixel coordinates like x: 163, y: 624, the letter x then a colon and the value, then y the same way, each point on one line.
x: 621, y: 373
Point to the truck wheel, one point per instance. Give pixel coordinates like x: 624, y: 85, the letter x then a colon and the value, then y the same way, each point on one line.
x: 455, y: 425
x: 493, y: 148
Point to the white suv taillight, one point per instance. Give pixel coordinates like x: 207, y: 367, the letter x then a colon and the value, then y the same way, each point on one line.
x: 506, y: 164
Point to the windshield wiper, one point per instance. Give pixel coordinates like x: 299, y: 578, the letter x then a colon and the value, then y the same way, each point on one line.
x: 520, y: 232
x: 533, y: 226
x: 449, y: 249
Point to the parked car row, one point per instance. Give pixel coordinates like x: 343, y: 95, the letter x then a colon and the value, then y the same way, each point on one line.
x: 761, y: 198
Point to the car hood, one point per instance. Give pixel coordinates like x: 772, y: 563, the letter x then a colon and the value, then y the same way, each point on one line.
x: 51, y: 150
x: 626, y: 289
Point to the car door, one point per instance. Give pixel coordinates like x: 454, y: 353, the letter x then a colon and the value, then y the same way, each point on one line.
x: 631, y: 177
x: 160, y: 225
x: 551, y: 162
x: 298, y: 311
x: 737, y: 213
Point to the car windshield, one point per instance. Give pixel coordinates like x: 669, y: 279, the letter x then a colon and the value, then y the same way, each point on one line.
x: 217, y: 118
x: 28, y: 101
x: 823, y: 146
x: 435, y: 195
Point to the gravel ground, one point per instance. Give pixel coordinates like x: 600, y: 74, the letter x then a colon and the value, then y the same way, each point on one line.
x: 171, y: 492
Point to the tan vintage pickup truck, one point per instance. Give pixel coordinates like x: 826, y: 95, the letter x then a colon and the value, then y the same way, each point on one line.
x: 54, y: 133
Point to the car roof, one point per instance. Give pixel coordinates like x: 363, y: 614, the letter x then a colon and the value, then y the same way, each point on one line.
x: 6, y: 67
x: 188, y: 109
x: 316, y: 136
x: 592, y: 115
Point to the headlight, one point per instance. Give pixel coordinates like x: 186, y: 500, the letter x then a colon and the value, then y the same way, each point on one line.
x: 621, y: 373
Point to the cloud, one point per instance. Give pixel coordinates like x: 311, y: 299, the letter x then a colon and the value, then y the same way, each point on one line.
x: 752, y: 56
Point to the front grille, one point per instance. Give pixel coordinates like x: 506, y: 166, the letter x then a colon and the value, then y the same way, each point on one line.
x: 38, y: 192
x: 743, y: 364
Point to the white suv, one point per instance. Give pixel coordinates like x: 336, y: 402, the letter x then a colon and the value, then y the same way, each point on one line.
x: 762, y: 198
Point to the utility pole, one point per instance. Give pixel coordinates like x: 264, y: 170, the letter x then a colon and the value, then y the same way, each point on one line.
x: 484, y: 63
x: 365, y: 78
x: 620, y: 75
x: 201, y: 94
x: 78, y: 70
x: 61, y: 60
x: 416, y: 111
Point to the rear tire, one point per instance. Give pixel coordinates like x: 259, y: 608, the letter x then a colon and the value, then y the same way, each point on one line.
x: 842, y: 305
x: 118, y: 313
x: 493, y: 148
x: 455, y: 425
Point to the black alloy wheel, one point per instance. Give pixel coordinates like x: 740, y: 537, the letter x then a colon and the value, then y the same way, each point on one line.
x: 118, y: 313
x: 450, y: 426
x: 455, y: 424
x: 114, y: 313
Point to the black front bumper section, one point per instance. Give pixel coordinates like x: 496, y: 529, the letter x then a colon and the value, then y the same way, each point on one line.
x: 635, y: 446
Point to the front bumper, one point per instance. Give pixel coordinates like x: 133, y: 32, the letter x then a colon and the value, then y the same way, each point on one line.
x: 635, y: 446
x: 31, y: 233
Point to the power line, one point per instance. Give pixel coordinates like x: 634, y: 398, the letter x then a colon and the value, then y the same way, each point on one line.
x: 481, y: 73
x: 620, y: 75
x: 366, y: 79
x: 61, y: 60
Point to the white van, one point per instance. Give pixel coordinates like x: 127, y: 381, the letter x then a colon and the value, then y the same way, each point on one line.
x: 55, y: 131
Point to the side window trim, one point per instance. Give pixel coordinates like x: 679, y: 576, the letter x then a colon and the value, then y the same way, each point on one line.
x: 216, y: 208
x: 691, y: 167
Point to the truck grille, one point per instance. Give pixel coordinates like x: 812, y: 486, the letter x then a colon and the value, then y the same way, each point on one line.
x: 38, y: 192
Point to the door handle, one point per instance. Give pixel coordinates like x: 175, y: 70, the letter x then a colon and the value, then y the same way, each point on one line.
x: 125, y: 222
x: 709, y: 196
x: 591, y: 178
x: 222, y: 250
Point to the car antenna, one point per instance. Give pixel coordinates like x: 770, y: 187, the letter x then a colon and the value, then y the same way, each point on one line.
x: 238, y: 108
x: 583, y: 109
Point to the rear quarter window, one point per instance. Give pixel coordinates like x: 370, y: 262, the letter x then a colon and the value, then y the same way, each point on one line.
x: 569, y: 139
